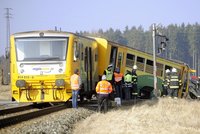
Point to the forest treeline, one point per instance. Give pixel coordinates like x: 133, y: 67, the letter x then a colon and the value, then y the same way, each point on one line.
x: 183, y: 44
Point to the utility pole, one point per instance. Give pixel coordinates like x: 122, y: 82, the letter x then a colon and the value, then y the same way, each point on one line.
x: 161, y: 48
x: 154, y: 60
x: 8, y: 16
x: 194, y: 61
x: 6, y: 64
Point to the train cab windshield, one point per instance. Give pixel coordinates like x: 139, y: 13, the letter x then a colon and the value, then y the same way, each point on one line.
x: 41, y: 49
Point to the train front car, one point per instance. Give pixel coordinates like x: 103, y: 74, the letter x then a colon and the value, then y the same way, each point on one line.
x: 38, y: 67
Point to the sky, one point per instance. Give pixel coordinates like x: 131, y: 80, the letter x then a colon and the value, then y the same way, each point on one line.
x: 92, y: 15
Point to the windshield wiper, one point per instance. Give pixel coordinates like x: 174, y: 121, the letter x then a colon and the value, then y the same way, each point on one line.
x: 50, y: 58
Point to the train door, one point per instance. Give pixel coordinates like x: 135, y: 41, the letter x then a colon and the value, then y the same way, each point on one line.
x: 88, y: 68
x: 120, y: 60
x: 113, y: 56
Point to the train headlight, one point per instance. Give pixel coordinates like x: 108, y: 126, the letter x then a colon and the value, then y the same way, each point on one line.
x: 60, y: 82
x: 21, y: 83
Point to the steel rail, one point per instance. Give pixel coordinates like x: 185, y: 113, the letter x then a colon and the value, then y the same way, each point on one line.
x: 27, y: 116
x: 15, y: 109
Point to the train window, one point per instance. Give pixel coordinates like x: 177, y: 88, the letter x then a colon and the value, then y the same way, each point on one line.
x: 44, y: 49
x: 149, y: 66
x: 140, y: 63
x: 168, y: 67
x: 159, y: 69
x: 81, y: 55
x: 96, y: 57
x: 130, y: 59
x: 81, y: 50
x: 119, y: 61
x: 113, y: 55
x: 86, y: 59
x: 76, y: 51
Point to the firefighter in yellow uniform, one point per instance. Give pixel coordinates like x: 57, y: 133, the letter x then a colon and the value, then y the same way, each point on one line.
x: 75, y: 82
x: 174, y: 84
x: 165, y: 83
x: 103, y: 89
x: 134, y: 92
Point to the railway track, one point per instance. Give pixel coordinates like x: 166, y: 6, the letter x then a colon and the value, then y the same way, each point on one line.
x: 11, y: 120
x: 17, y: 115
x: 15, y: 110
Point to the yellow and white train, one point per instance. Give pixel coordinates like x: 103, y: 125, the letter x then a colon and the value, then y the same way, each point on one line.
x: 43, y: 61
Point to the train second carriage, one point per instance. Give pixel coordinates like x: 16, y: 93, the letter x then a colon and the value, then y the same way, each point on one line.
x: 125, y: 58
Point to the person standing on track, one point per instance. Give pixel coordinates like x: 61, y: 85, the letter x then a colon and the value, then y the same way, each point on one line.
x: 75, y: 82
x: 103, y: 89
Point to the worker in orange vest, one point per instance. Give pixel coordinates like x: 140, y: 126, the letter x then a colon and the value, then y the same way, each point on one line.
x: 103, y: 89
x: 75, y: 81
x: 118, y: 80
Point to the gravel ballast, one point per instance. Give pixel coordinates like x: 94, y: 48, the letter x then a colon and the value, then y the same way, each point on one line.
x: 61, y: 122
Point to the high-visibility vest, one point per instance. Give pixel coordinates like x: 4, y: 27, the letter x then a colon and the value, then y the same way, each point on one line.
x: 75, y: 82
x: 109, y: 75
x: 166, y: 81
x: 174, y: 81
x: 103, y: 87
x: 134, y: 79
x: 118, y: 76
x: 128, y: 78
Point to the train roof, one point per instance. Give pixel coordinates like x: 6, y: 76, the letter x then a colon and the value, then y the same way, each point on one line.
x: 150, y: 54
x: 40, y: 31
x: 48, y: 32
x: 172, y: 60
